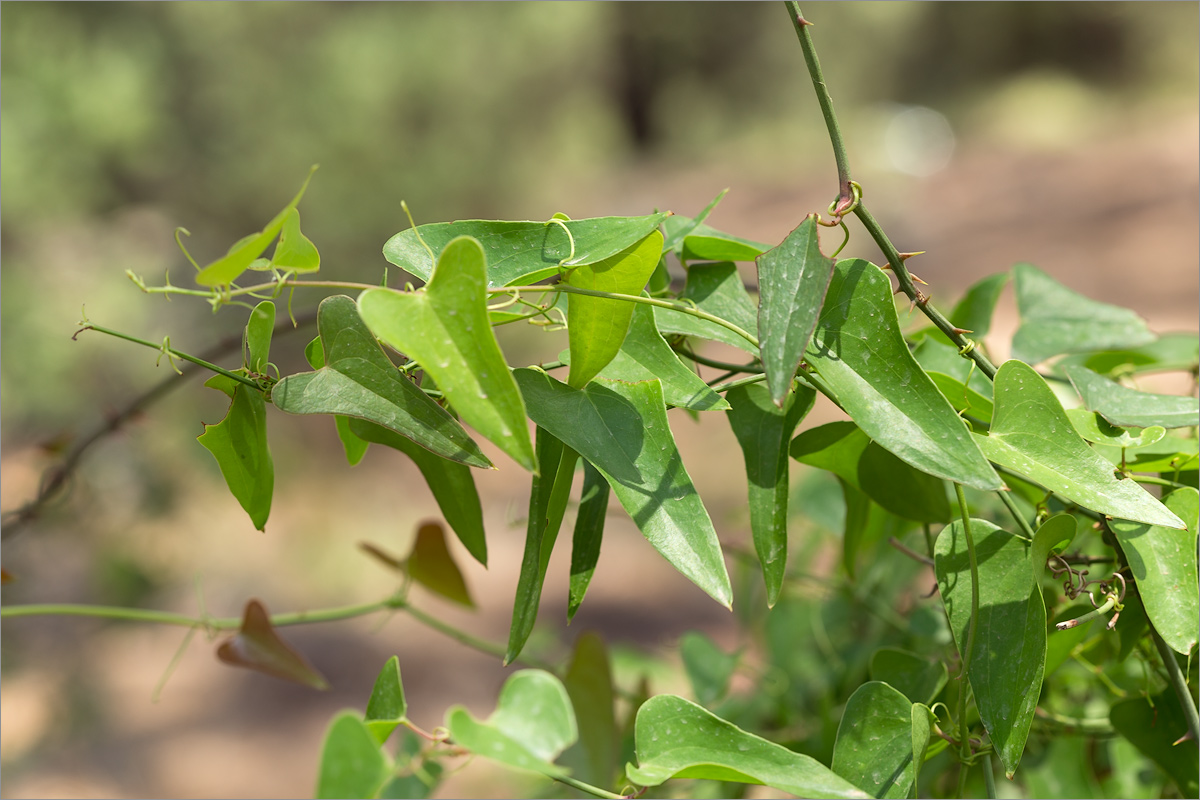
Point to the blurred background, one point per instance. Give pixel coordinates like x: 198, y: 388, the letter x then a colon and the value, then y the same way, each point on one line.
x: 1063, y: 134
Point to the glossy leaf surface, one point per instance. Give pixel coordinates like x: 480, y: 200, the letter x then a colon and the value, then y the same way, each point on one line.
x: 588, y: 535
x: 917, y: 678
x: 452, y: 485
x: 1163, y: 562
x: 1009, y: 658
x: 701, y: 242
x: 764, y: 432
x: 257, y: 646
x: 358, y: 380
x: 1032, y: 436
x: 679, y: 739
x: 239, y: 443
x: 352, y: 765
x: 718, y: 290
x: 547, y: 503
x: 845, y: 450
x: 621, y: 428
x: 874, y: 746
x: 1121, y: 405
x: 1055, y: 319
x: 431, y: 565
x: 533, y: 723
x: 522, y: 252
x: 598, y: 325
x: 645, y: 355
x: 387, y: 707
x: 859, y: 352
x: 792, y: 280
x: 445, y: 328
x: 225, y: 270
x: 1095, y: 428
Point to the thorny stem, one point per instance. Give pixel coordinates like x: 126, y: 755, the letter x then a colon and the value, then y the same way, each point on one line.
x: 1179, y: 684
x: 846, y: 199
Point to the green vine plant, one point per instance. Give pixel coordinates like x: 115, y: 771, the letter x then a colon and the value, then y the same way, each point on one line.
x: 1011, y: 482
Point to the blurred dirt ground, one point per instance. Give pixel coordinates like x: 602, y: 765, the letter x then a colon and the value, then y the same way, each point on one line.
x: 1114, y: 218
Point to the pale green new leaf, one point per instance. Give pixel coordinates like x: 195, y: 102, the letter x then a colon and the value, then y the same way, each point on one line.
x: 1032, y: 436
x: 860, y: 354
x: 792, y: 279
x: 1009, y: 658
x: 352, y: 765
x: 522, y: 252
x: 598, y: 325
x: 1095, y: 428
x: 693, y: 241
x: 678, y: 739
x: 387, y: 707
x: 445, y: 328
x: 226, y: 269
x: 874, y: 745
x: 1163, y: 562
x: 358, y: 380
x: 239, y: 443
x: 295, y: 252
x: 1056, y: 320
x: 258, y: 336
x: 1121, y: 405
x: 621, y: 428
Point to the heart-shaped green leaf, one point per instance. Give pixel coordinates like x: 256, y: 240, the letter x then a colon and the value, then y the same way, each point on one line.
x: 764, y: 432
x: 258, y: 647
x: 547, y: 503
x: 716, y: 289
x: 874, y: 746
x: 387, y: 707
x: 431, y: 565
x: 792, y: 279
x: 598, y: 325
x: 588, y: 535
x: 679, y: 739
x: 522, y: 252
x: 239, y: 443
x: 917, y: 678
x: 1163, y: 562
x: 444, y: 328
x: 859, y: 353
x: 295, y: 252
x: 354, y: 446
x: 533, y: 723
x: 358, y: 380
x: 225, y: 270
x: 645, y: 355
x: 1009, y: 658
x: 352, y: 765
x: 1032, y: 436
x: 1121, y: 405
x: 621, y: 428
x: 452, y: 485
x: 1056, y: 320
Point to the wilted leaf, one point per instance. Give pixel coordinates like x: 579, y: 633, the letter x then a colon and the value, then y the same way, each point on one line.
x: 257, y: 646
x: 431, y: 565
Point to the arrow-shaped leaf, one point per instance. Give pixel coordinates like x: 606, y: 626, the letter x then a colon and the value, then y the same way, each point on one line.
x: 1032, y: 436
x: 239, y: 443
x: 718, y: 290
x: 792, y: 279
x: 387, y: 707
x: 874, y: 745
x: 358, y: 380
x: 445, y: 328
x: 431, y: 565
x: 257, y: 646
x: 1121, y: 405
x: 621, y: 428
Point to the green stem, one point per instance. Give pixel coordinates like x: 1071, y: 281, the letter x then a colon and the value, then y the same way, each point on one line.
x: 169, y: 618
x: 1178, y: 683
x: 749, y: 379
x: 965, y: 746
x: 845, y: 192
x: 1011, y: 505
x: 473, y: 642
x: 989, y: 776
x: 1097, y: 726
x: 170, y: 351
x: 1150, y: 479
x: 587, y: 787
x: 754, y: 366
